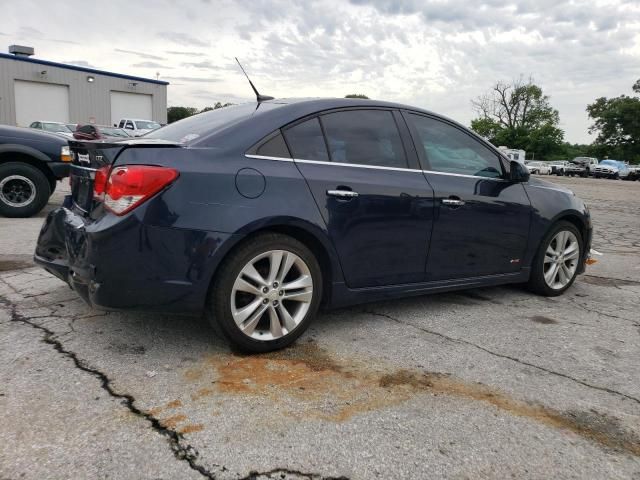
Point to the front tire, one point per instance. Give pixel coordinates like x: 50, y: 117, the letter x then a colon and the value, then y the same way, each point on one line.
x: 24, y: 190
x: 556, y: 263
x: 266, y: 293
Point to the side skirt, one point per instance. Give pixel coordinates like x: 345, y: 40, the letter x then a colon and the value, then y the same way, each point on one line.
x: 343, y: 296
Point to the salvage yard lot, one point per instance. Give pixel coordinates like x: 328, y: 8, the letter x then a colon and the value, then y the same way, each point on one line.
x: 487, y: 383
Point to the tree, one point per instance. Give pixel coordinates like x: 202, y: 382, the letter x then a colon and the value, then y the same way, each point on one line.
x: 519, y: 115
x: 617, y: 123
x: 356, y: 95
x: 216, y: 106
x: 178, y: 113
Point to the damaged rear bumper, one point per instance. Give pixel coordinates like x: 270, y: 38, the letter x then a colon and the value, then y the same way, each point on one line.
x: 119, y: 263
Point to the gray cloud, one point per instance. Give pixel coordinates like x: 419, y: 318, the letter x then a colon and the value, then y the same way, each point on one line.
x: 150, y: 65
x: 183, y: 39
x: 193, y: 79
x: 186, y: 54
x: 140, y: 54
x: 204, y: 65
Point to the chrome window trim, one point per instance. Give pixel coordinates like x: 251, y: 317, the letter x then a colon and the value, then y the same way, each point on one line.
x: 265, y: 157
x: 464, y: 175
x: 356, y: 165
x: 373, y: 167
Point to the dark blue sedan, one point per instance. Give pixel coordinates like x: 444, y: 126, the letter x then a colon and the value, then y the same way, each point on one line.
x: 258, y: 214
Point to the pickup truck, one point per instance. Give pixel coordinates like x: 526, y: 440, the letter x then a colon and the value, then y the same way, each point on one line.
x: 31, y: 162
x: 137, y: 127
x: 582, y: 166
x: 634, y: 172
x: 614, y: 169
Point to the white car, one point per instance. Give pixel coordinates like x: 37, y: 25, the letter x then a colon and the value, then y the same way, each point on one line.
x: 540, y: 168
x: 137, y: 127
x: 53, y: 127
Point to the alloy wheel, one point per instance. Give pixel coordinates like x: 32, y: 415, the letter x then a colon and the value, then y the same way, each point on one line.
x: 17, y: 191
x: 271, y: 295
x: 561, y: 259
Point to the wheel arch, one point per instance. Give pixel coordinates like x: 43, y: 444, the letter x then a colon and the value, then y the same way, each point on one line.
x: 30, y: 156
x: 310, y: 235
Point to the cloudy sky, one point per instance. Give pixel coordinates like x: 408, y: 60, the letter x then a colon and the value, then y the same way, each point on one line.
x: 436, y: 54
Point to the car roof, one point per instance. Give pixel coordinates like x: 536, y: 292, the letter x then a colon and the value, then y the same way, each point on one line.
x: 263, y: 122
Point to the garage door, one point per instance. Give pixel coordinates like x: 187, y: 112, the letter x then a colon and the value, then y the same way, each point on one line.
x: 41, y: 101
x: 130, y: 105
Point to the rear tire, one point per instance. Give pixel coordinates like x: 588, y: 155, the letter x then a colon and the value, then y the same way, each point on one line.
x: 266, y: 293
x: 557, y: 260
x: 24, y: 190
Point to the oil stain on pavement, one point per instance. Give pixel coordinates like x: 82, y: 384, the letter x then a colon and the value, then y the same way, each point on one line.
x: 321, y: 387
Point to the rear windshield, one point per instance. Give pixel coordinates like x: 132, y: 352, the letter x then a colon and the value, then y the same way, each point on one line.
x: 192, y: 128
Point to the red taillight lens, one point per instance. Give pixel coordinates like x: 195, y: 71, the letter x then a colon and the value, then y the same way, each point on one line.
x: 129, y: 186
x: 100, y: 181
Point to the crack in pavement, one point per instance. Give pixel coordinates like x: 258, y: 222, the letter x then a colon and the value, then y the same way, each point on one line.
x: 183, y: 452
x: 281, y: 472
x: 507, y: 357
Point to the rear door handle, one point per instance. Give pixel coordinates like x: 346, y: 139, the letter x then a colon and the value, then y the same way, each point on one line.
x: 452, y: 202
x: 342, y: 193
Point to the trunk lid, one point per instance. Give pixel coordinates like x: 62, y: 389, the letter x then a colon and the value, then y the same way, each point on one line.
x: 90, y: 156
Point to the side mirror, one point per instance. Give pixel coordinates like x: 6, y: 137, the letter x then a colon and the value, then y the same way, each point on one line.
x: 519, y: 173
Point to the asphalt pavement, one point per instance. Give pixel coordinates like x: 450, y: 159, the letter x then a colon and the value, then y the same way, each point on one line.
x: 485, y: 383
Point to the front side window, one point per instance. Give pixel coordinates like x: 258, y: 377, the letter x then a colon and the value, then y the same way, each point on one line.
x: 450, y: 150
x: 306, y: 141
x: 364, y: 137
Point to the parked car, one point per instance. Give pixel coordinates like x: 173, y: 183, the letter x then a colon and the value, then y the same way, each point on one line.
x: 634, y: 172
x: 53, y: 127
x: 137, y: 127
x: 559, y: 167
x: 539, y: 168
x: 99, y: 132
x: 257, y: 214
x: 31, y: 162
x: 582, y: 166
x: 72, y: 126
x: 614, y: 169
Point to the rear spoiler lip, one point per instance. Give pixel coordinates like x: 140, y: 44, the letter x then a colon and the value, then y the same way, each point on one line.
x: 133, y: 142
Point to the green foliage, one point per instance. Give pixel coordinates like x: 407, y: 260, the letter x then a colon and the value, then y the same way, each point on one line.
x: 178, y: 113
x: 519, y: 115
x: 617, y: 123
x: 356, y: 95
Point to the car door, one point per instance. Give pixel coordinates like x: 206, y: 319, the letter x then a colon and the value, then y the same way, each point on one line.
x: 482, y: 218
x: 377, y: 206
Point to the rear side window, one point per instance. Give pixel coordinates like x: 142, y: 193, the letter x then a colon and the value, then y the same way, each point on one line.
x: 306, y: 141
x: 121, y: 124
x: 364, y: 137
x: 273, y: 146
x: 450, y: 150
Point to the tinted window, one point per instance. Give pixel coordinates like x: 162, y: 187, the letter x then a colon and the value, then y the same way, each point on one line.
x: 85, y: 129
x: 306, y: 141
x: 449, y: 149
x: 121, y: 124
x: 192, y: 128
x: 364, y: 137
x: 274, y: 147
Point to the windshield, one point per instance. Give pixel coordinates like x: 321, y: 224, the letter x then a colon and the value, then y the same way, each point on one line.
x: 202, y: 124
x: 144, y: 125
x: 613, y: 163
x: 56, y: 127
x: 113, y: 132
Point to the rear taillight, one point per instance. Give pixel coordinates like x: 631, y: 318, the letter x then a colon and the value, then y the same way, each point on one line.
x: 127, y: 187
x: 100, y: 181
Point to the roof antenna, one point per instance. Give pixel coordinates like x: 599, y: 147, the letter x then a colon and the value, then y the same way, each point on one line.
x: 260, y: 98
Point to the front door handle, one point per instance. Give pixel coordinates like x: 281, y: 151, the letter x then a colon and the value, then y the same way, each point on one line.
x: 452, y: 202
x: 342, y: 193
